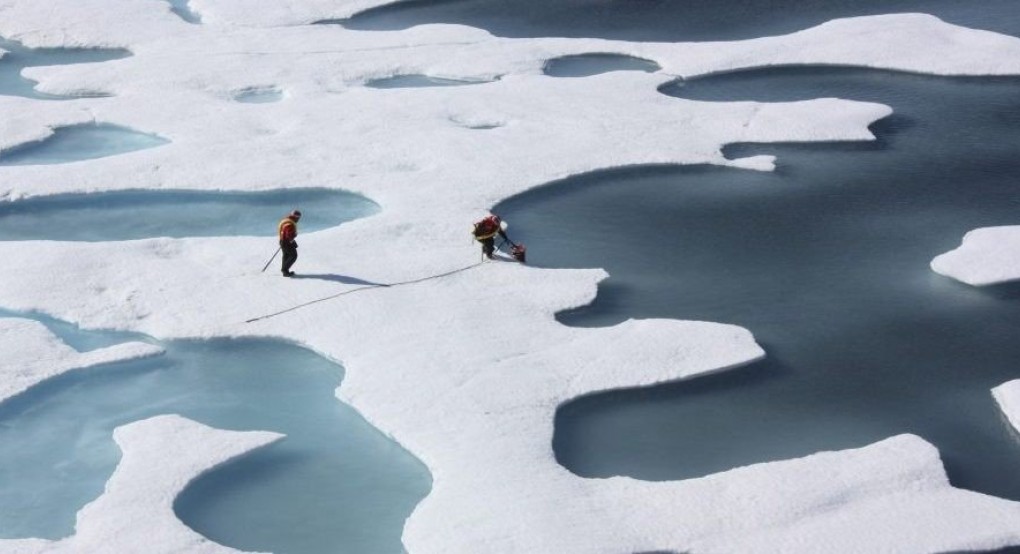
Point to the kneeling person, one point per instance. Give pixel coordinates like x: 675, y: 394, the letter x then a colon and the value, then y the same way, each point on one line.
x: 485, y: 232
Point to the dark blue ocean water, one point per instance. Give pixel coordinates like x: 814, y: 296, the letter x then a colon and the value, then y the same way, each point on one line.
x: 826, y: 261
x: 670, y: 20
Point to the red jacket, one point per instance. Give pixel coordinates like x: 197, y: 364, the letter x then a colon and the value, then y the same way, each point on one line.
x: 487, y: 228
x: 287, y: 229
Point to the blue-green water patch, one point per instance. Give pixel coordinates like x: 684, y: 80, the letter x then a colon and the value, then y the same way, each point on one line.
x: 74, y: 336
x: 182, y: 9
x: 416, y: 81
x: 335, y: 484
x: 18, y: 57
x: 126, y: 215
x: 584, y: 65
x: 258, y: 95
x: 75, y: 143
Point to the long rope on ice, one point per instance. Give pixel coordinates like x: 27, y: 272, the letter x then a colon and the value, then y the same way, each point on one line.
x: 381, y: 285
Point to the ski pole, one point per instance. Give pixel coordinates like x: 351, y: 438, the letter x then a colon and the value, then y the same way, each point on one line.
x: 271, y: 259
x: 506, y: 240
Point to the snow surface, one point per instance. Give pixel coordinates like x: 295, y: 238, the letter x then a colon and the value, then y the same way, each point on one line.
x: 1008, y: 397
x: 466, y: 370
x: 988, y: 256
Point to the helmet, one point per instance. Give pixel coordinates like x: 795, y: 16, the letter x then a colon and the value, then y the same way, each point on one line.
x: 296, y: 214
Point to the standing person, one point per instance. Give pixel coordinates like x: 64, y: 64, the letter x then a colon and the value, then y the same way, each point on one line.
x: 485, y: 232
x: 287, y: 229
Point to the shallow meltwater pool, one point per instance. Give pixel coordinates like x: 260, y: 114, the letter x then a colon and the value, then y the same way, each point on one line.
x: 138, y: 214
x: 418, y: 81
x: 75, y: 143
x: 333, y: 484
x: 17, y: 57
x: 826, y: 262
x: 585, y: 65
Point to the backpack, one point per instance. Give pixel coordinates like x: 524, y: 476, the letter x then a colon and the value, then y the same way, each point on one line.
x: 486, y: 228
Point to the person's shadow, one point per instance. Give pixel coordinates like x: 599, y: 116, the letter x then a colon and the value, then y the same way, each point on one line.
x: 339, y: 279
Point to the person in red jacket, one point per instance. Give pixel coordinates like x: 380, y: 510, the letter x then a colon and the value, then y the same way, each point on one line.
x: 287, y: 229
x: 485, y: 232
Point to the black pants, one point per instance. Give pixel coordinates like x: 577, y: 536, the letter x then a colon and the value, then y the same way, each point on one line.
x: 488, y: 247
x: 289, y: 255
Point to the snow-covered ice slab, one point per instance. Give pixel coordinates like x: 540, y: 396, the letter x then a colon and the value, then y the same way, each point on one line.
x: 465, y: 370
x: 30, y: 354
x: 1007, y: 395
x: 925, y: 44
x: 988, y: 256
x: 161, y: 455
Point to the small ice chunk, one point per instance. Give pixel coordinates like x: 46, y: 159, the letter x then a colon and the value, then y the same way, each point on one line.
x: 987, y: 256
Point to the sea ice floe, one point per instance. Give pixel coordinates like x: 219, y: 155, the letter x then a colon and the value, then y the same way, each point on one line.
x: 467, y: 370
x: 987, y: 256
x: 758, y: 163
x: 1007, y: 396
